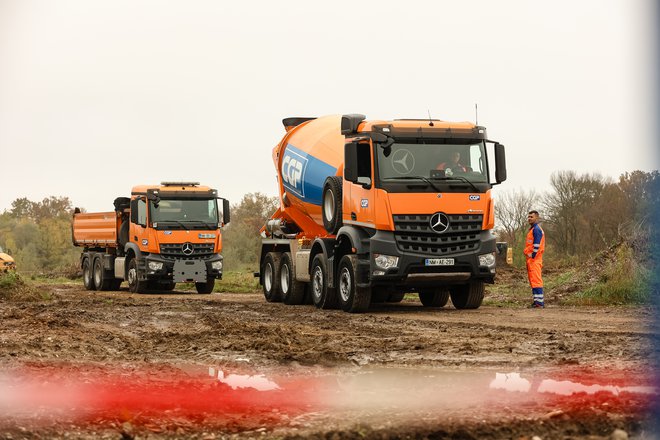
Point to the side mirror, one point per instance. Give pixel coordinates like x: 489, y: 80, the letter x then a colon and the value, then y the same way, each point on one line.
x: 351, y: 162
x: 225, y: 211
x: 500, y: 163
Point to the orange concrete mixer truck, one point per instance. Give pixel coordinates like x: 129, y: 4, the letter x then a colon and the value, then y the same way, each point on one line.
x: 370, y: 210
x: 161, y: 235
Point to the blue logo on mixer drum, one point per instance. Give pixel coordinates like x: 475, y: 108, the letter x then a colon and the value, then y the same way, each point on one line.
x: 303, y: 174
x: 293, y: 170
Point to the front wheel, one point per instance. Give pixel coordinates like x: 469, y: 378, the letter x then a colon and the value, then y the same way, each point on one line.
x: 207, y: 287
x: 134, y: 283
x: 352, y: 298
x: 434, y: 297
x: 468, y: 296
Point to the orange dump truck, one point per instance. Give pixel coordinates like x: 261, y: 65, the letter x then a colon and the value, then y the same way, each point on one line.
x: 7, y: 263
x: 370, y: 210
x: 161, y: 235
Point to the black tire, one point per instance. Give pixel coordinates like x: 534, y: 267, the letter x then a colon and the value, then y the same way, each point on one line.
x: 134, y: 283
x: 205, y: 288
x: 331, y: 202
x: 352, y: 299
x: 380, y: 294
x: 468, y: 296
x: 270, y: 277
x: 437, y: 297
x: 101, y: 282
x: 397, y: 297
x: 88, y: 277
x: 168, y: 287
x: 323, y: 297
x: 115, y: 284
x: 291, y: 290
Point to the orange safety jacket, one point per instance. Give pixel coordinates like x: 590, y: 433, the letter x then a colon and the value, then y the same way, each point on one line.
x: 535, y: 244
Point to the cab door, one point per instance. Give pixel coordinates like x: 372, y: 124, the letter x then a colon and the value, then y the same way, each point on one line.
x: 138, y: 230
x: 359, y: 201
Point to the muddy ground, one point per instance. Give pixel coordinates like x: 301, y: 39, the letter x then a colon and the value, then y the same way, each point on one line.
x: 427, y: 370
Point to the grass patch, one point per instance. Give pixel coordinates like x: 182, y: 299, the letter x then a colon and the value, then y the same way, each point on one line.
x: 237, y: 282
x: 14, y: 288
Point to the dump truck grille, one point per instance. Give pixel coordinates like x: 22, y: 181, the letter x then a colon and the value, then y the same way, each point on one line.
x: 413, y: 233
x: 175, y: 250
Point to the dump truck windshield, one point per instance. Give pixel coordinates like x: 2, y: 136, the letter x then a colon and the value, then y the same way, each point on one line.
x: 184, y: 214
x: 433, y: 165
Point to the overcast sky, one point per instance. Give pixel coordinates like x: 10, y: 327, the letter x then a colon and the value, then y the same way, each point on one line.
x: 98, y: 96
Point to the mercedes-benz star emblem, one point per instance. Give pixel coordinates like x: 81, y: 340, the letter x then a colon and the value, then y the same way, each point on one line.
x: 187, y: 248
x: 403, y: 161
x: 439, y: 222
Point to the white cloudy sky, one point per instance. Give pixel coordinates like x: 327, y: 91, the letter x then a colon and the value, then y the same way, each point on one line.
x: 97, y: 96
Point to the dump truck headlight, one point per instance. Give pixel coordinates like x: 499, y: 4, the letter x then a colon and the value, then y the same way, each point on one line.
x: 487, y: 259
x: 155, y: 265
x: 385, y: 261
x: 217, y: 265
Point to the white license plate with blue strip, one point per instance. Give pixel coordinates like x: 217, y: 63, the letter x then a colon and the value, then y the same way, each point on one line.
x: 439, y: 262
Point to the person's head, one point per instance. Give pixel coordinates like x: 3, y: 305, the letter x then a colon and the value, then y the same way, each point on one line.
x: 455, y: 157
x: 533, y: 217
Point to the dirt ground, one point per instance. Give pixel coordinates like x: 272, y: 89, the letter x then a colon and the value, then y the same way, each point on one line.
x: 398, y: 371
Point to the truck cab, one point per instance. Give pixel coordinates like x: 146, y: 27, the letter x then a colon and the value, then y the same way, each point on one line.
x: 7, y: 263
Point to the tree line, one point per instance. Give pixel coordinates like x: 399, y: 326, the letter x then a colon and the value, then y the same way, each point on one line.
x: 582, y: 213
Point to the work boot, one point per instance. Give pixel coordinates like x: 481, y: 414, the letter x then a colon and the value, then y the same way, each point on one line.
x: 536, y: 305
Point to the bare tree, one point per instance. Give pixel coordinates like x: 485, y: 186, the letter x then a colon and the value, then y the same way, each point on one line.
x: 511, y: 208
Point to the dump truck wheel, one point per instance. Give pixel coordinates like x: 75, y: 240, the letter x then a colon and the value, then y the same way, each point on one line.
x: 134, y: 284
x: 101, y: 282
x: 88, y: 279
x: 115, y: 284
x: 467, y: 296
x: 331, y: 204
x: 351, y: 298
x: 322, y: 296
x: 207, y: 287
x: 397, y: 297
x: 434, y: 297
x: 292, y: 291
x: 270, y: 273
x: 168, y: 286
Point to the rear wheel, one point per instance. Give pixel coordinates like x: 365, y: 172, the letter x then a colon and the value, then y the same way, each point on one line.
x: 88, y: 279
x: 467, y: 296
x: 101, y: 282
x: 434, y: 297
x: 292, y: 291
x: 322, y: 296
x: 206, y: 287
x: 134, y: 283
x: 271, y: 277
x: 351, y: 298
x: 331, y: 207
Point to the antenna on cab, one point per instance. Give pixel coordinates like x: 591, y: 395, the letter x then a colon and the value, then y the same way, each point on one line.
x: 476, y: 114
x: 430, y: 120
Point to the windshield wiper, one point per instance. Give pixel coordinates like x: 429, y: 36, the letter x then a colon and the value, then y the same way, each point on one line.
x: 461, y: 178
x: 422, y: 178
x: 208, y: 225
x: 183, y: 226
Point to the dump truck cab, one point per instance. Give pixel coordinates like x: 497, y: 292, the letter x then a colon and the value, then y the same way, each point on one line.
x: 7, y: 263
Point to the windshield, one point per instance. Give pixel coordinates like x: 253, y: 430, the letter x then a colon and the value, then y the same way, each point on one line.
x: 184, y: 214
x: 433, y: 161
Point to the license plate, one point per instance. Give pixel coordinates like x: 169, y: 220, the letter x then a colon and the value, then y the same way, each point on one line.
x: 439, y: 262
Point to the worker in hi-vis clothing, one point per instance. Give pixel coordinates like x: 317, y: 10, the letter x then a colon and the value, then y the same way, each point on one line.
x: 534, y: 247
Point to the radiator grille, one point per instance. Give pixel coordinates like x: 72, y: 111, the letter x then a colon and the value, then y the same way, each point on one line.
x: 175, y: 250
x: 413, y: 233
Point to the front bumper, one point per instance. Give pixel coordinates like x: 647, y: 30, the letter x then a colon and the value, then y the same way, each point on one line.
x: 166, y: 272
x: 411, y: 270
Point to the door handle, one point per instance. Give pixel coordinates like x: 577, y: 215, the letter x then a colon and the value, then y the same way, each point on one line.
x: 353, y: 216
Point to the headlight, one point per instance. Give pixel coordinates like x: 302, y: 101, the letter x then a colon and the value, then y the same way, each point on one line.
x: 155, y: 265
x: 487, y: 259
x: 385, y: 261
x: 217, y: 265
